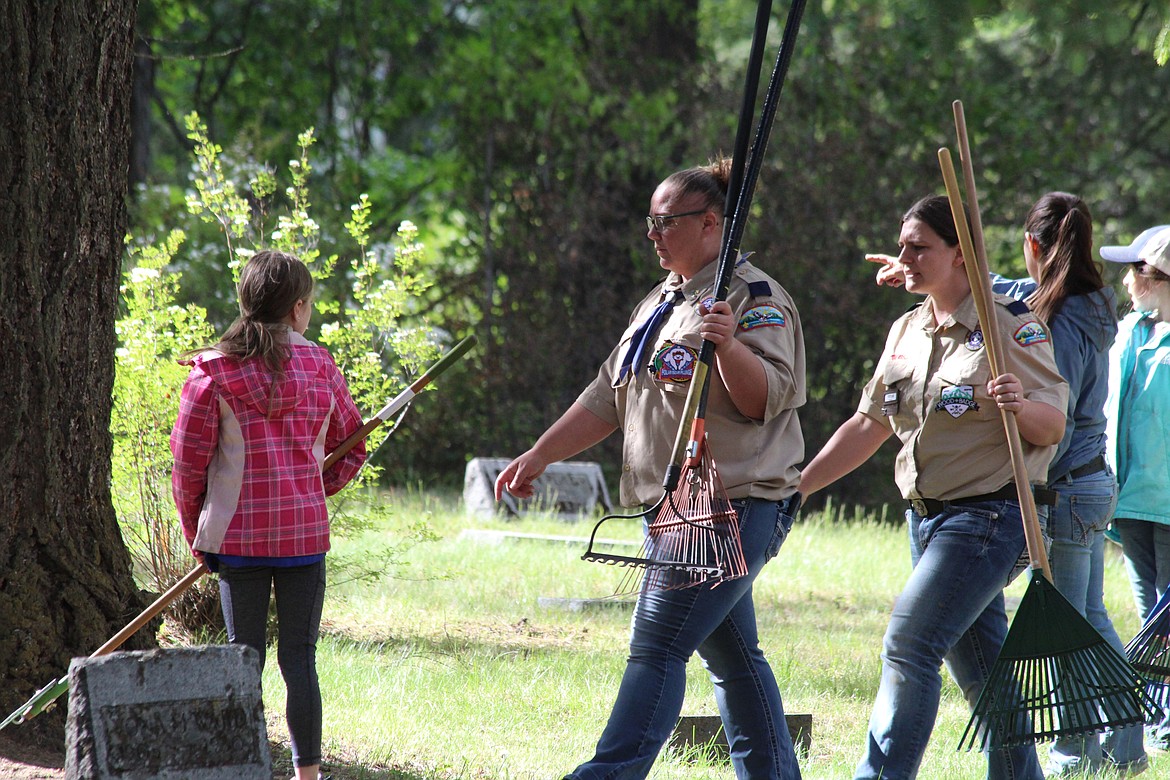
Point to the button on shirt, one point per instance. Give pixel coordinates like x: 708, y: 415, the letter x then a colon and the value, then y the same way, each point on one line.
x: 755, y: 458
x: 931, y: 384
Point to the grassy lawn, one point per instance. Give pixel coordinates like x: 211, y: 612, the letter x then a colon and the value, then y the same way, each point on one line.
x: 458, y: 671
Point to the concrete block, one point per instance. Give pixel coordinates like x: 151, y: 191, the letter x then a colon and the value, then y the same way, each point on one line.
x: 572, y: 490
x: 706, y: 732
x: 193, y: 713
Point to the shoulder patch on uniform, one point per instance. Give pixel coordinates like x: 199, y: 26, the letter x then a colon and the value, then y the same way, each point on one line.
x: 1030, y: 333
x: 760, y: 289
x: 1018, y: 307
x: 766, y: 316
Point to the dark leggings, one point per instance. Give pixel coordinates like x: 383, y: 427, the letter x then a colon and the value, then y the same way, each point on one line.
x: 300, y: 591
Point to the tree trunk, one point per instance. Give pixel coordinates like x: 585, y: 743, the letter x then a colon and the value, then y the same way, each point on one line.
x: 65, y: 574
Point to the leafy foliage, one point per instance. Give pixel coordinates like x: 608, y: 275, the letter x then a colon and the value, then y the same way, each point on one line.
x: 151, y: 333
x: 525, y: 138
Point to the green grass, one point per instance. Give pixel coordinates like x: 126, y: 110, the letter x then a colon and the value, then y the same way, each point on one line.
x: 457, y: 672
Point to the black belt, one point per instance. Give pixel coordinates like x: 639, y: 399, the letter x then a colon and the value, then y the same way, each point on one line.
x: 928, y: 507
x: 1092, y: 467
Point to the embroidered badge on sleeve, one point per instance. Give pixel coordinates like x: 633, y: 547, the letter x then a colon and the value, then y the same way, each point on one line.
x: 762, y: 317
x: 1030, y: 333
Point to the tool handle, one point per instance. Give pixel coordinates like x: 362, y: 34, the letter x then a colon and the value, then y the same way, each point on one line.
x: 978, y: 276
x: 400, y: 400
x: 745, y: 165
x: 172, y: 593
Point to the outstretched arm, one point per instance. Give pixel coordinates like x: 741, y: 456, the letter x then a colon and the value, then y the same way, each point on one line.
x: 577, y: 429
x: 854, y: 443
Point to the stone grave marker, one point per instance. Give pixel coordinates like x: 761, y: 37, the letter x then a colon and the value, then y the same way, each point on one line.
x: 571, y: 489
x: 188, y: 713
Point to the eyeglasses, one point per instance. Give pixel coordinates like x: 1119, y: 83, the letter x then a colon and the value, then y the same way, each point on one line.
x: 664, y: 222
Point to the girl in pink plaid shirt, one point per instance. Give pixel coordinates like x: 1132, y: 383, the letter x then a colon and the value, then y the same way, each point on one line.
x: 258, y: 413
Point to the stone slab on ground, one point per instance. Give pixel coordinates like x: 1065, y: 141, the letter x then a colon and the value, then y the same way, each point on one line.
x: 706, y: 732
x: 497, y: 537
x: 194, y: 713
x: 571, y: 490
x: 584, y: 604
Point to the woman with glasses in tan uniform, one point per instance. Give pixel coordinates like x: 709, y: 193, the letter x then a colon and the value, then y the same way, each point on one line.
x: 757, y: 383
x: 934, y: 391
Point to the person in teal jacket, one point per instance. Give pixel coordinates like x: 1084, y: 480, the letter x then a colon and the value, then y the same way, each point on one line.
x: 1138, y: 429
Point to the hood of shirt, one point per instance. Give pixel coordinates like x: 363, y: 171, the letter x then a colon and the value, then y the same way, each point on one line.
x: 251, y: 382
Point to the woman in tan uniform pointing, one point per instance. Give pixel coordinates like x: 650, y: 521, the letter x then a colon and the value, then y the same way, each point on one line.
x: 934, y: 391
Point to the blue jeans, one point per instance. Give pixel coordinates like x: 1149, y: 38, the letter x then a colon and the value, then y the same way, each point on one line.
x: 720, y: 623
x: 300, y: 593
x: 952, y: 610
x: 1077, y: 526
x: 1146, y: 546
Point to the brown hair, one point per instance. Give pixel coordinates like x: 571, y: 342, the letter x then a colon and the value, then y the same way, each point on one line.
x: 270, y: 285
x: 935, y: 211
x: 1063, y: 228
x: 710, y: 181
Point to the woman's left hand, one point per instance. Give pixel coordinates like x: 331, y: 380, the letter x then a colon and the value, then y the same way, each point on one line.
x: 718, y: 324
x: 1007, y: 391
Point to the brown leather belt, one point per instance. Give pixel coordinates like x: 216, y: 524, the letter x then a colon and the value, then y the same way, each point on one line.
x: 928, y: 507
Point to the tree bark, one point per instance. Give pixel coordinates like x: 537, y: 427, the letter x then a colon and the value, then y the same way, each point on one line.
x: 65, y: 574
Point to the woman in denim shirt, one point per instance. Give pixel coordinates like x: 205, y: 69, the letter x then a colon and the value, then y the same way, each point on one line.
x: 1067, y: 291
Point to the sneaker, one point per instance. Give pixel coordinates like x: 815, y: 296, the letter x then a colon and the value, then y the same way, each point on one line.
x: 1133, y: 768
x: 1071, y: 768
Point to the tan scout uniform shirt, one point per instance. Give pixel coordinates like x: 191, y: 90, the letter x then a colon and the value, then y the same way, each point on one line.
x: 755, y: 458
x: 930, y: 389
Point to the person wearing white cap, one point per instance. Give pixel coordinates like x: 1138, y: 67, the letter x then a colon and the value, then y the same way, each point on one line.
x: 1138, y: 413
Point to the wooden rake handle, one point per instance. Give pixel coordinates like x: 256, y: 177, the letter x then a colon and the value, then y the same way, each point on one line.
x: 44, y: 698
x: 979, y: 277
x: 401, y: 400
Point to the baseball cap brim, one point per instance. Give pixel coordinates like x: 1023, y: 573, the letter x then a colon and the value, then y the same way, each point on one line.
x: 1130, y: 254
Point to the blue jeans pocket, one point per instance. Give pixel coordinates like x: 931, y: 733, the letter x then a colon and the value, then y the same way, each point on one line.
x: 785, y: 516
x: 1092, y: 513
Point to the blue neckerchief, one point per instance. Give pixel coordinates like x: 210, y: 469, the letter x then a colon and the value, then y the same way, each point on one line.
x: 644, y: 335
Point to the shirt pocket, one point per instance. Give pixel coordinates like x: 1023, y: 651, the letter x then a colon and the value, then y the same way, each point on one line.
x: 898, y: 397
x: 675, y: 360
x: 960, y: 391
